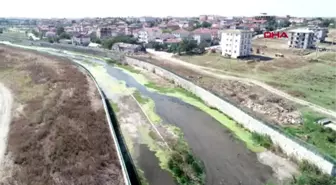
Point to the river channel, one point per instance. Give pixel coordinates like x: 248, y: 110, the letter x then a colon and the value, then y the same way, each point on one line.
x: 226, y: 159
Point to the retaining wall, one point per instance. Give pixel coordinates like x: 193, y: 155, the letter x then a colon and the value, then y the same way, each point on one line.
x: 289, y: 145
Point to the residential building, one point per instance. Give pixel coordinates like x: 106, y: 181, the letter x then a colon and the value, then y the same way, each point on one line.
x: 204, y: 34
x: 181, y: 33
x: 147, y: 35
x: 297, y: 20
x: 104, y: 32
x: 320, y: 33
x: 236, y: 43
x: 127, y: 48
x: 301, y: 38
x: 81, y: 39
x: 203, y: 17
x: 147, y: 19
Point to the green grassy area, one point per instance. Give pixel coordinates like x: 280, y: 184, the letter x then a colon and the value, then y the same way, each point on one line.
x: 263, y: 140
x: 311, y: 81
x: 311, y: 175
x: 148, y: 106
x: 114, y: 106
x: 324, y: 139
x: 137, y: 95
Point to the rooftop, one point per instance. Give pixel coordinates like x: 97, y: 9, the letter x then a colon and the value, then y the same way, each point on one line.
x: 236, y: 31
x: 301, y: 31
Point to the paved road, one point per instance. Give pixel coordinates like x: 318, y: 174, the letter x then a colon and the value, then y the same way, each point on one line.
x: 6, y: 100
x: 212, y: 72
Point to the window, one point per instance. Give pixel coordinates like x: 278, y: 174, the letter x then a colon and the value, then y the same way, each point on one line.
x: 234, y: 51
x: 244, y: 46
x: 236, y: 40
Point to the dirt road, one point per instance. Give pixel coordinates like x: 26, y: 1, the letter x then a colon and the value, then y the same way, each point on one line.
x: 212, y: 72
x: 6, y: 100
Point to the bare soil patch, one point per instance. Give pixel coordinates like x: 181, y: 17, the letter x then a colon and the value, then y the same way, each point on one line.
x: 60, y: 136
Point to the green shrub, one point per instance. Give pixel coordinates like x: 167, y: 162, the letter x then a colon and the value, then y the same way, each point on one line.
x: 305, y: 166
x: 262, y: 140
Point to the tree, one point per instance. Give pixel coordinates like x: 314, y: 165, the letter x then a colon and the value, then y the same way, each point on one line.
x: 126, y: 39
x: 206, y: 24
x: 188, y: 45
x: 286, y: 23
x: 60, y: 30
x: 328, y: 22
x: 1, y: 30
x: 35, y: 33
x: 64, y: 35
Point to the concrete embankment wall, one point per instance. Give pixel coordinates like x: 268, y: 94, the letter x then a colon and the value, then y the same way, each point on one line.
x: 290, y: 146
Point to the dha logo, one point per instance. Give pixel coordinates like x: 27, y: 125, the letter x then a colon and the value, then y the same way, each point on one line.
x: 271, y: 35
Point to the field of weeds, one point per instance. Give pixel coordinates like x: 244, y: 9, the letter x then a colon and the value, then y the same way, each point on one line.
x: 308, y: 77
x: 59, y: 133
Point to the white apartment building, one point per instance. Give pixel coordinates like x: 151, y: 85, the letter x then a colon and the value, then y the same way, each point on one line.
x: 147, y: 35
x: 236, y: 43
x: 320, y: 33
x: 301, y: 38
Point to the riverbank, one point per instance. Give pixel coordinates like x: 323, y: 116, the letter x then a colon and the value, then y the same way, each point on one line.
x: 284, y: 169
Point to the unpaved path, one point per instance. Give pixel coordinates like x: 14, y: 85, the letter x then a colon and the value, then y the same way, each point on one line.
x: 212, y: 72
x: 6, y: 101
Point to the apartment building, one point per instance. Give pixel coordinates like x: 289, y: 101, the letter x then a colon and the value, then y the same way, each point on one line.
x: 147, y: 35
x: 301, y: 38
x: 320, y: 33
x: 236, y: 43
x: 103, y: 33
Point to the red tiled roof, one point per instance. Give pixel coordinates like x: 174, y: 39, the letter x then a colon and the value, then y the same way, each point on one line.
x: 206, y: 30
x: 180, y: 31
x: 173, y: 40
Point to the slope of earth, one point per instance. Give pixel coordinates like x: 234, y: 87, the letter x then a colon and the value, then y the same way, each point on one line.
x: 59, y: 133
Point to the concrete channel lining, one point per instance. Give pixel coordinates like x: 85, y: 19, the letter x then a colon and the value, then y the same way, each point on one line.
x: 288, y: 145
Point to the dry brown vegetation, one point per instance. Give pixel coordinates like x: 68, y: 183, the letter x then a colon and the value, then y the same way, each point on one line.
x: 59, y: 134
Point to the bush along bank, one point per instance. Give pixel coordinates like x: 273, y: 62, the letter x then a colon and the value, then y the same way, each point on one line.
x: 309, y: 173
x: 179, y: 161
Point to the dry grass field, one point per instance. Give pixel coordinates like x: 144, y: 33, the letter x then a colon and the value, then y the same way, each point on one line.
x: 59, y: 133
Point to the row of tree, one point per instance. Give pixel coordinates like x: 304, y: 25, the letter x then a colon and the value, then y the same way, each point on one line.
x: 186, y: 46
x: 108, y: 43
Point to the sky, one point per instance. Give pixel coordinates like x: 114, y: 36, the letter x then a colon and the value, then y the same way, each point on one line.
x: 124, y: 8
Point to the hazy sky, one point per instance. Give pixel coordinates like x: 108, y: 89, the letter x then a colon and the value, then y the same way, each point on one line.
x: 105, y: 8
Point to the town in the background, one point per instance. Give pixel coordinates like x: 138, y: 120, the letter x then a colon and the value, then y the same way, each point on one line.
x: 231, y: 36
